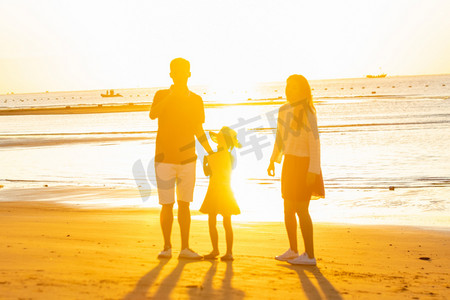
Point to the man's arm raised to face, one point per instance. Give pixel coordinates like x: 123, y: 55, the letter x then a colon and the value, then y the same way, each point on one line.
x: 159, y: 104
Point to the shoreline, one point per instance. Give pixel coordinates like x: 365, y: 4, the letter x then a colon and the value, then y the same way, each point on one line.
x: 51, y: 251
x: 98, y: 198
x: 61, y: 206
x: 127, y: 107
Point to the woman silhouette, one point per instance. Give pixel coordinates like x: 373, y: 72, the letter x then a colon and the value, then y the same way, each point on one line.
x: 297, y: 139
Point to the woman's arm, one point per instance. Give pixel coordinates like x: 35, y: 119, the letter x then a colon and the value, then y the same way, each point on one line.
x: 314, y: 149
x: 278, y: 147
x: 276, y: 153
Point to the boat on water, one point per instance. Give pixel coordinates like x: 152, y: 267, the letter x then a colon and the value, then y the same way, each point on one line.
x: 111, y: 93
x: 376, y: 76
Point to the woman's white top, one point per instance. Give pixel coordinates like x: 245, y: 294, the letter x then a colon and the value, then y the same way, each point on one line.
x: 297, y: 136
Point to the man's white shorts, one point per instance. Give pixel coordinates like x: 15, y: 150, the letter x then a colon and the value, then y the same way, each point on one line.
x: 169, y: 175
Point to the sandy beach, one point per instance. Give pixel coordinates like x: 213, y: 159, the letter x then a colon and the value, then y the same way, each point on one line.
x: 51, y: 251
x: 105, y: 107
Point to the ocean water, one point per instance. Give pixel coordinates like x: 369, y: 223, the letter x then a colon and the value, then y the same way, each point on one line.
x: 375, y: 134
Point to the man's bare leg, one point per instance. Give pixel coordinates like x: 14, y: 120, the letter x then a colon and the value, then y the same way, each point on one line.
x: 184, y: 220
x: 166, y: 221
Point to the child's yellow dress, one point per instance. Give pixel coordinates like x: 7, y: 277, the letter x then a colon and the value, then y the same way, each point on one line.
x: 219, y: 198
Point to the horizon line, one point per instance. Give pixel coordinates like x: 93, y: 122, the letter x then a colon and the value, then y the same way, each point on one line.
x: 202, y: 85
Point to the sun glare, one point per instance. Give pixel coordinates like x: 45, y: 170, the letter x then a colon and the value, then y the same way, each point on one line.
x: 231, y: 91
x: 68, y: 47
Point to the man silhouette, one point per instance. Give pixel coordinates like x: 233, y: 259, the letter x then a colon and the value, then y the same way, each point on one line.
x: 180, y: 116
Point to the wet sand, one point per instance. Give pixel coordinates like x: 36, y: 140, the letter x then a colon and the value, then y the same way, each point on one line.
x: 51, y: 251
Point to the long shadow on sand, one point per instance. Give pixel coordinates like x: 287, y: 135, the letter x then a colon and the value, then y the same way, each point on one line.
x: 226, y: 290
x: 170, y: 282
x: 311, y: 291
x: 166, y: 286
x: 146, y: 282
x: 205, y: 290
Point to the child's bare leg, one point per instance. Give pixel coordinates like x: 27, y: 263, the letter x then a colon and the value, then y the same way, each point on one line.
x: 228, y: 233
x: 214, y: 236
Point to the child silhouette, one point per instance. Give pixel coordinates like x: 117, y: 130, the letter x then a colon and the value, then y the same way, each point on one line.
x: 219, y: 199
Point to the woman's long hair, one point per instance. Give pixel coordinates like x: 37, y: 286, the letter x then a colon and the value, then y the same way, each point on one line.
x: 303, y: 119
x: 305, y: 90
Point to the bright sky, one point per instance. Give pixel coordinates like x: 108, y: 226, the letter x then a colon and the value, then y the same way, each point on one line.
x: 74, y: 45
